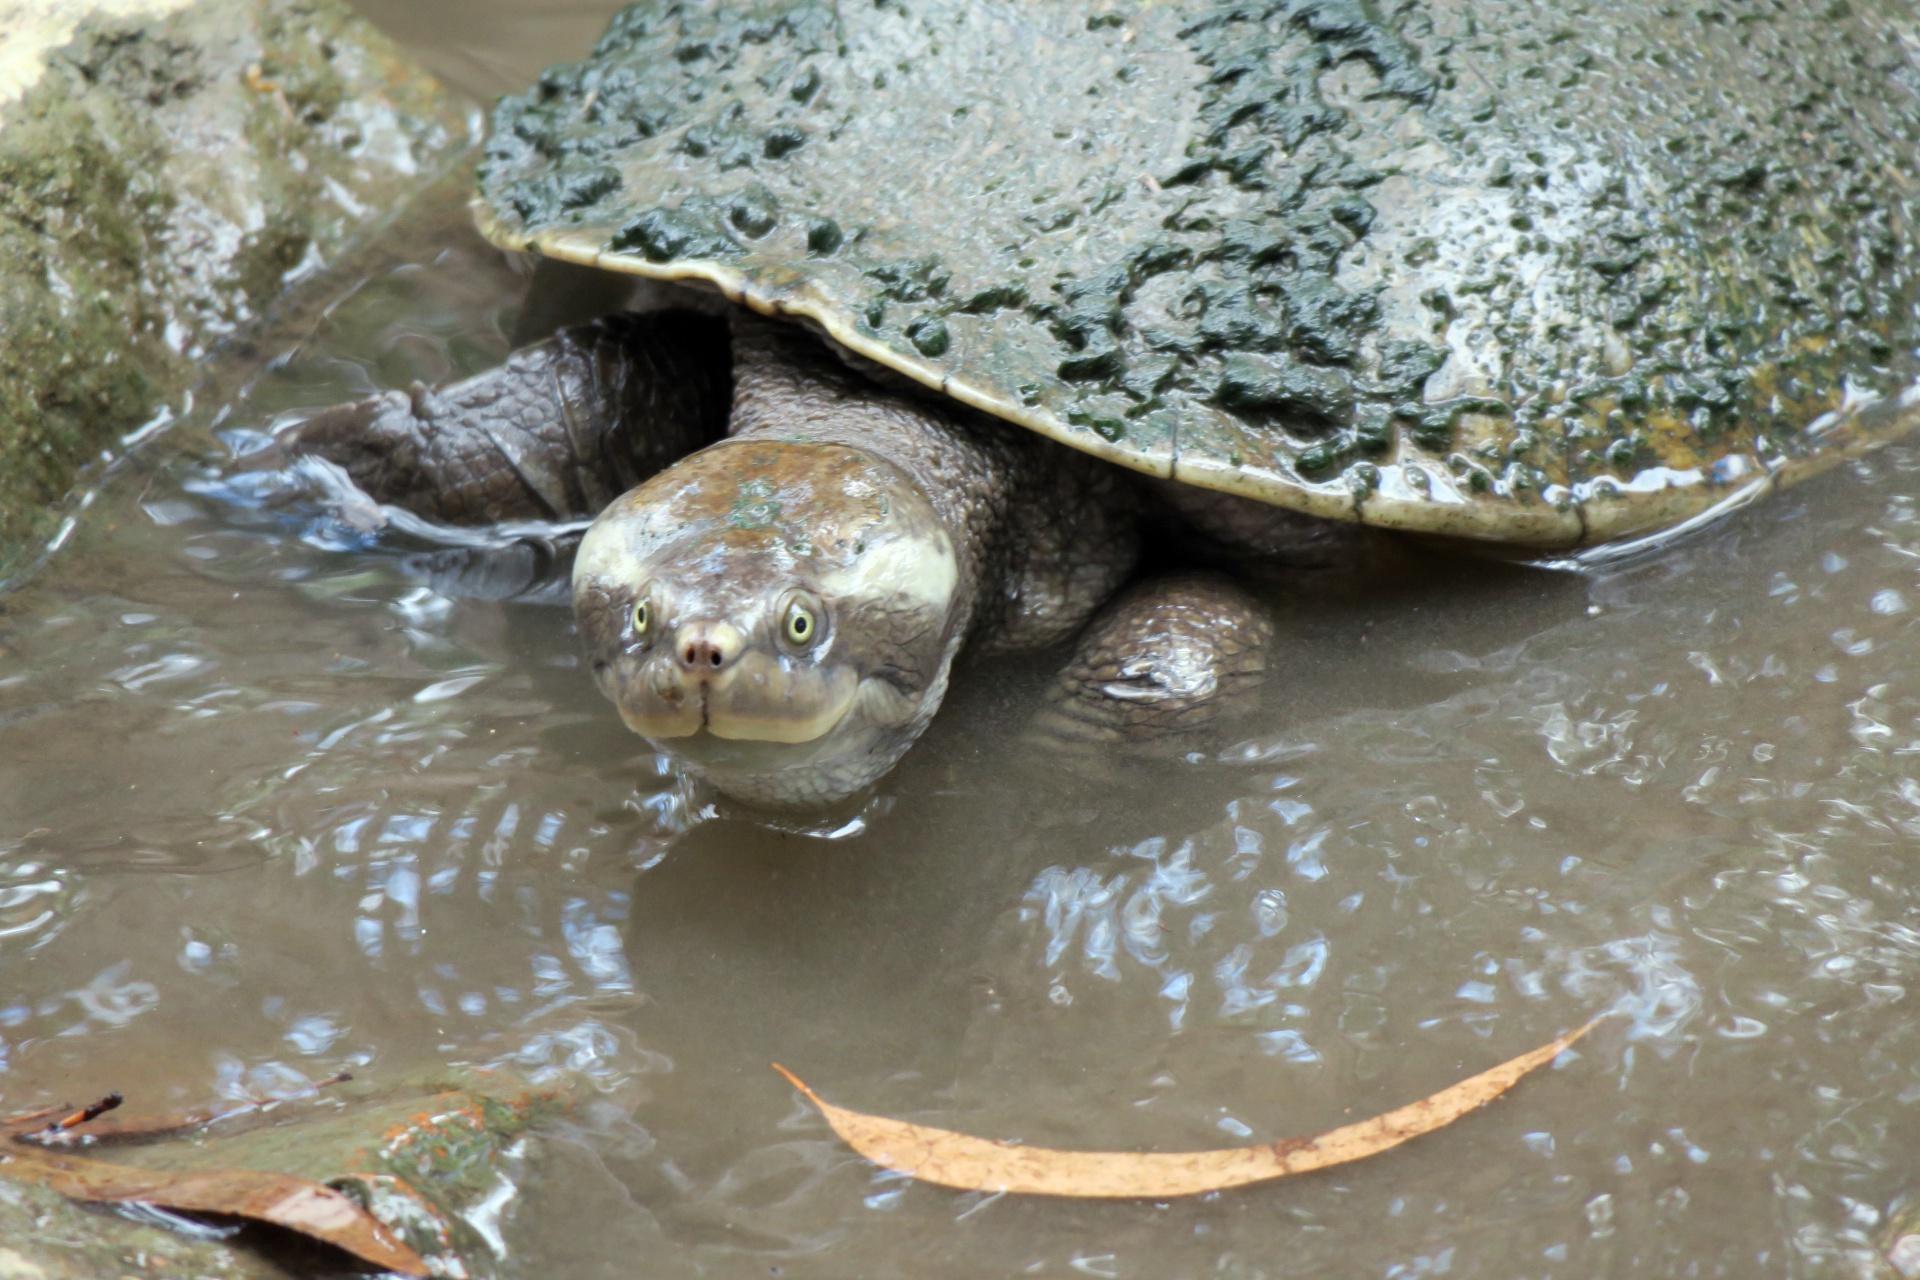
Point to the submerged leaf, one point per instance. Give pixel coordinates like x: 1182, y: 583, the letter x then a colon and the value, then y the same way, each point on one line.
x: 979, y: 1164
x: 281, y: 1199
x: 433, y: 1161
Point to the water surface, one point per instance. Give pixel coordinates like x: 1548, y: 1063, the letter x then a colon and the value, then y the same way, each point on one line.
x: 280, y: 797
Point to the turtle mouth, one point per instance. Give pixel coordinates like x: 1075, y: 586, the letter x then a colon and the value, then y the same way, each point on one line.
x: 737, y: 725
x: 748, y: 703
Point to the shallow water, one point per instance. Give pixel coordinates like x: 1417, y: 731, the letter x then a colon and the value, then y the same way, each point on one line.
x: 278, y: 798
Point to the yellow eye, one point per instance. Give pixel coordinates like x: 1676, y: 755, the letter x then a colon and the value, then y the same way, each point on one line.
x: 642, y: 619
x: 801, y: 625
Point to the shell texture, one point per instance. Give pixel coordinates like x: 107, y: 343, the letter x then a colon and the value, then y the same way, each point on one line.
x: 1537, y: 272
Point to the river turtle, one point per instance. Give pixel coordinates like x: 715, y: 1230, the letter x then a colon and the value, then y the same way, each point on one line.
x: 1536, y: 275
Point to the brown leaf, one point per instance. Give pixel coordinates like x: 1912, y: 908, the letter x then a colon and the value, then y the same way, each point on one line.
x: 286, y: 1201
x: 979, y: 1164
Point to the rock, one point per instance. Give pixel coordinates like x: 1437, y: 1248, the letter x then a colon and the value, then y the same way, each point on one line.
x: 168, y: 168
x: 1900, y: 1241
x: 438, y: 1161
x: 43, y: 1237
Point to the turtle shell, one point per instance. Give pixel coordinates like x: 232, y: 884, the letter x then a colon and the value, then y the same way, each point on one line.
x: 1539, y: 273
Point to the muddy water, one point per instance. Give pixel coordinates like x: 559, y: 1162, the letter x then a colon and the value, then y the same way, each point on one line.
x: 278, y: 797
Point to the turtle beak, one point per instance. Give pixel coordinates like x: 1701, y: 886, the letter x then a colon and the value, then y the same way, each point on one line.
x: 711, y: 678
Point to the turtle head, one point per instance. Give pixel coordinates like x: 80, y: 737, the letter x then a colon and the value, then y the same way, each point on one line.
x: 779, y: 616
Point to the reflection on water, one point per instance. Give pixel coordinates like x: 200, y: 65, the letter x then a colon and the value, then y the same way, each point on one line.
x: 282, y: 796
x: 485, y: 48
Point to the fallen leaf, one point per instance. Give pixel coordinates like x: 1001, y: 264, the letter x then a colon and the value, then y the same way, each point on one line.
x: 294, y: 1203
x: 951, y: 1159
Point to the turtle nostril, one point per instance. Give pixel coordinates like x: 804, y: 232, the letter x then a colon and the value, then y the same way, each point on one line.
x: 713, y: 647
x: 708, y: 651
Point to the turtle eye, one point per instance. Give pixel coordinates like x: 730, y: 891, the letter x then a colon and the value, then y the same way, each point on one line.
x: 643, y: 620
x: 801, y: 625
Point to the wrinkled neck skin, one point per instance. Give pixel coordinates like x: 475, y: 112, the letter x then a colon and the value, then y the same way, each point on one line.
x: 780, y: 610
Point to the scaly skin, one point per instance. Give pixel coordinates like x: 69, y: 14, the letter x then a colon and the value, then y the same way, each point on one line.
x: 1044, y: 535
x: 780, y: 610
x: 1167, y: 658
x: 557, y: 432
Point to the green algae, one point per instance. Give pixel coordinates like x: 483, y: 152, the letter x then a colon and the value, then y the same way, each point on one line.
x: 438, y: 1161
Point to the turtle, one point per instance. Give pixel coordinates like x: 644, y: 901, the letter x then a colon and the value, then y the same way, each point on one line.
x: 996, y: 293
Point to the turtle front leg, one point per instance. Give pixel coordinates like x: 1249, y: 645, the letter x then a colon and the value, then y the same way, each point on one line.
x: 1167, y: 658
x: 557, y: 432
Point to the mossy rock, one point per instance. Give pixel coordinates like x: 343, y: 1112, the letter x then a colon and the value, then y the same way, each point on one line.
x: 439, y: 1161
x: 43, y: 1237
x: 168, y: 168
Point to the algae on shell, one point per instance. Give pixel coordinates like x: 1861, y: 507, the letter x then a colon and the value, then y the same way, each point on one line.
x: 1532, y: 273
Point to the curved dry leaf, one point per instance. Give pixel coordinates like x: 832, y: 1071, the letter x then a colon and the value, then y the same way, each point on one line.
x: 979, y: 1164
x: 294, y: 1203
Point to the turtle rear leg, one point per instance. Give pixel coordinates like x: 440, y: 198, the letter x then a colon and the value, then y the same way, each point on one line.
x: 557, y: 432
x: 1166, y: 659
